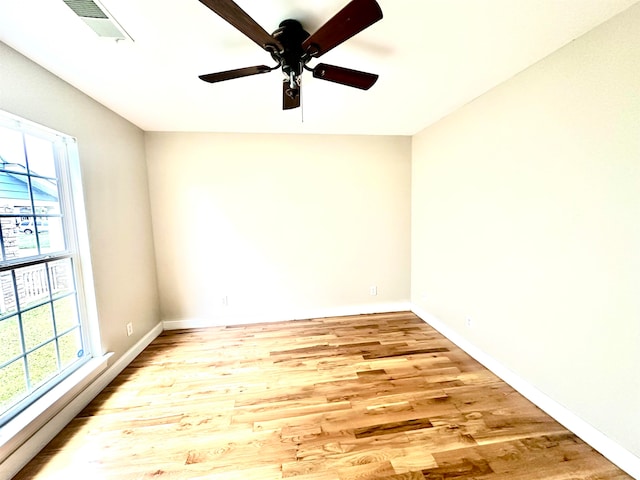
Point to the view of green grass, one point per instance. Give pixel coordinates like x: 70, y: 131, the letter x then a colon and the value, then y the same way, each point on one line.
x: 37, y: 326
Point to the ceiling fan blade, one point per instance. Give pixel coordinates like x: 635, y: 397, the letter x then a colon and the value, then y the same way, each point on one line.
x: 237, y: 73
x: 345, y: 76
x: 237, y: 17
x: 290, y: 96
x: 352, y: 19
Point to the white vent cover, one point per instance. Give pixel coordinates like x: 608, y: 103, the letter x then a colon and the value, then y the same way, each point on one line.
x: 97, y: 17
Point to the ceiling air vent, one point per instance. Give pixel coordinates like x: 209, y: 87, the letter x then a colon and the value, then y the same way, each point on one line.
x: 98, y: 18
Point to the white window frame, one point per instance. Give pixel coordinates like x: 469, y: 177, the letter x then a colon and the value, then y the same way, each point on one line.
x: 21, y: 429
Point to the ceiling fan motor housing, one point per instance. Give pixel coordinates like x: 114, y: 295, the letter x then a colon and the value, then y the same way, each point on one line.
x: 290, y: 34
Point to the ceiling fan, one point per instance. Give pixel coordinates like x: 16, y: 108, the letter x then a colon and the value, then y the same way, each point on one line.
x: 292, y: 47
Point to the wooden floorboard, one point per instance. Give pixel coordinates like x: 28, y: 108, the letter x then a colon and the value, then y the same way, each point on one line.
x: 369, y: 397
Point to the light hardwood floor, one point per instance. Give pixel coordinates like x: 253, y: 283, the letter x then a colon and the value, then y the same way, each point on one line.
x: 364, y: 397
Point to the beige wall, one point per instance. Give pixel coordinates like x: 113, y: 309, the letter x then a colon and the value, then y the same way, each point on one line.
x: 116, y: 194
x: 284, y: 226
x: 526, y: 219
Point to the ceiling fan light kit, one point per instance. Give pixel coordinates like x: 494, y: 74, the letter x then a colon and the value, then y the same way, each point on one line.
x: 293, y: 48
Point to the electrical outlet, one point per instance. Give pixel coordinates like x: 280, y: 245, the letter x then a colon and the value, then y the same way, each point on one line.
x: 373, y: 290
x: 469, y: 322
x: 225, y: 301
x: 129, y: 329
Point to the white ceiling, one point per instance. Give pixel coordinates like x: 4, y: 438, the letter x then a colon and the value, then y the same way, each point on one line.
x: 433, y: 56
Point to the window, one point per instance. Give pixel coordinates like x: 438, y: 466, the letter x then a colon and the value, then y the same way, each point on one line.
x: 44, y: 333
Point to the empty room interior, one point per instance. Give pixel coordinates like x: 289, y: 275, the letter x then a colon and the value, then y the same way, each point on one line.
x: 435, y: 278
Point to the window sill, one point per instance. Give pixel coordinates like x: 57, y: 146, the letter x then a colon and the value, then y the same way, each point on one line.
x: 25, y: 425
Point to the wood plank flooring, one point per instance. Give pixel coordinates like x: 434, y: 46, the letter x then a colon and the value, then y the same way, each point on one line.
x: 370, y: 397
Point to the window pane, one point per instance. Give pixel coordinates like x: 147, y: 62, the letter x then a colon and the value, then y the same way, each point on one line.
x: 61, y: 275
x: 14, y: 383
x: 15, y: 199
x: 37, y: 325
x: 43, y: 364
x: 40, y: 156
x: 9, y: 233
x: 12, y: 150
x: 14, y: 192
x: 51, y: 235
x: 10, y: 344
x: 66, y: 314
x: 27, y: 244
x: 70, y: 346
x: 7, y: 295
x: 32, y: 285
x: 45, y: 196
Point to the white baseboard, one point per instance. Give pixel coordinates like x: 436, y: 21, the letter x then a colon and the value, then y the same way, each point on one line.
x: 617, y: 454
x: 241, y: 319
x: 17, y: 459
